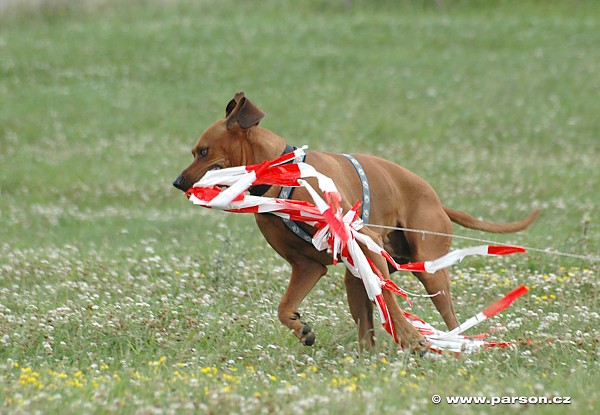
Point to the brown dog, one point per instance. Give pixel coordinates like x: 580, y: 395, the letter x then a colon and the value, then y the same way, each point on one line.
x: 398, y: 198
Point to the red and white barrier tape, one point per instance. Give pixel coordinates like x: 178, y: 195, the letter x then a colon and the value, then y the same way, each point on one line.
x: 457, y: 256
x: 339, y: 234
x: 453, y: 340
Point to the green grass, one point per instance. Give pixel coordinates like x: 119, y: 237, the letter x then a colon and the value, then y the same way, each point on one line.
x: 117, y: 296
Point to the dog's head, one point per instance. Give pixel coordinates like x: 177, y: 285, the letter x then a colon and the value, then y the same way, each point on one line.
x: 222, y: 144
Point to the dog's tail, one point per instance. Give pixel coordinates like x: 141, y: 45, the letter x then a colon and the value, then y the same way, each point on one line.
x: 468, y: 221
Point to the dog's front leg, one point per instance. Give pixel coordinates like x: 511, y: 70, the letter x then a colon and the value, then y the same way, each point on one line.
x: 361, y: 309
x: 305, y: 274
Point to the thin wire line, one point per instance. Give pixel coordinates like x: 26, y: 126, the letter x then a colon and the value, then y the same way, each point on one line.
x: 544, y: 251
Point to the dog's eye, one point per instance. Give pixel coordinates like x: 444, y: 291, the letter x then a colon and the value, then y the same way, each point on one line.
x: 202, y: 152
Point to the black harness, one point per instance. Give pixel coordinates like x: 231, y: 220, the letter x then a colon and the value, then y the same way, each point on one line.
x: 286, y: 193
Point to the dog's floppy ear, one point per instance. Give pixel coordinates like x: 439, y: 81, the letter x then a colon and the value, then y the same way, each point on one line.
x: 232, y: 104
x: 242, y: 112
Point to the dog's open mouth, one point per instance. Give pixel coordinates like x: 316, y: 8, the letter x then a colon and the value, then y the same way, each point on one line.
x: 215, y: 167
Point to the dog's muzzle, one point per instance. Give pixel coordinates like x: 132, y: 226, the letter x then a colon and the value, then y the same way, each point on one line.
x: 184, y: 184
x: 181, y: 184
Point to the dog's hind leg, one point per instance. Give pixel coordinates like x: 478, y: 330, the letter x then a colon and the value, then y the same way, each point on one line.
x: 438, y: 285
x: 305, y: 274
x: 408, y: 336
x: 429, y: 247
x: 361, y: 309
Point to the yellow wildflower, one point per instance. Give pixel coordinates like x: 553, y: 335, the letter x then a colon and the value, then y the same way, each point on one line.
x: 161, y: 360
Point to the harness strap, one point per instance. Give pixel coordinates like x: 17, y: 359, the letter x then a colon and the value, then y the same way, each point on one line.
x: 286, y: 193
x: 365, y: 212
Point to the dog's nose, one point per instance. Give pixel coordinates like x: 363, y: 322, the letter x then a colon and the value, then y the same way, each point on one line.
x: 180, y: 184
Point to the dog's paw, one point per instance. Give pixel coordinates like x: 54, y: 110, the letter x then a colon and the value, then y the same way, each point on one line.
x: 422, y: 350
x: 308, y: 336
x: 305, y: 334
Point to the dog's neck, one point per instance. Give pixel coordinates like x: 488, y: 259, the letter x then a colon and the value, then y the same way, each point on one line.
x: 260, y: 145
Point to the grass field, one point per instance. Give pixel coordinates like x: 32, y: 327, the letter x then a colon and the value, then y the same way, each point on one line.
x: 118, y: 296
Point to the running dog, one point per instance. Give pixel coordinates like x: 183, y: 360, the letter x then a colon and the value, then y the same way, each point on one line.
x: 398, y: 198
